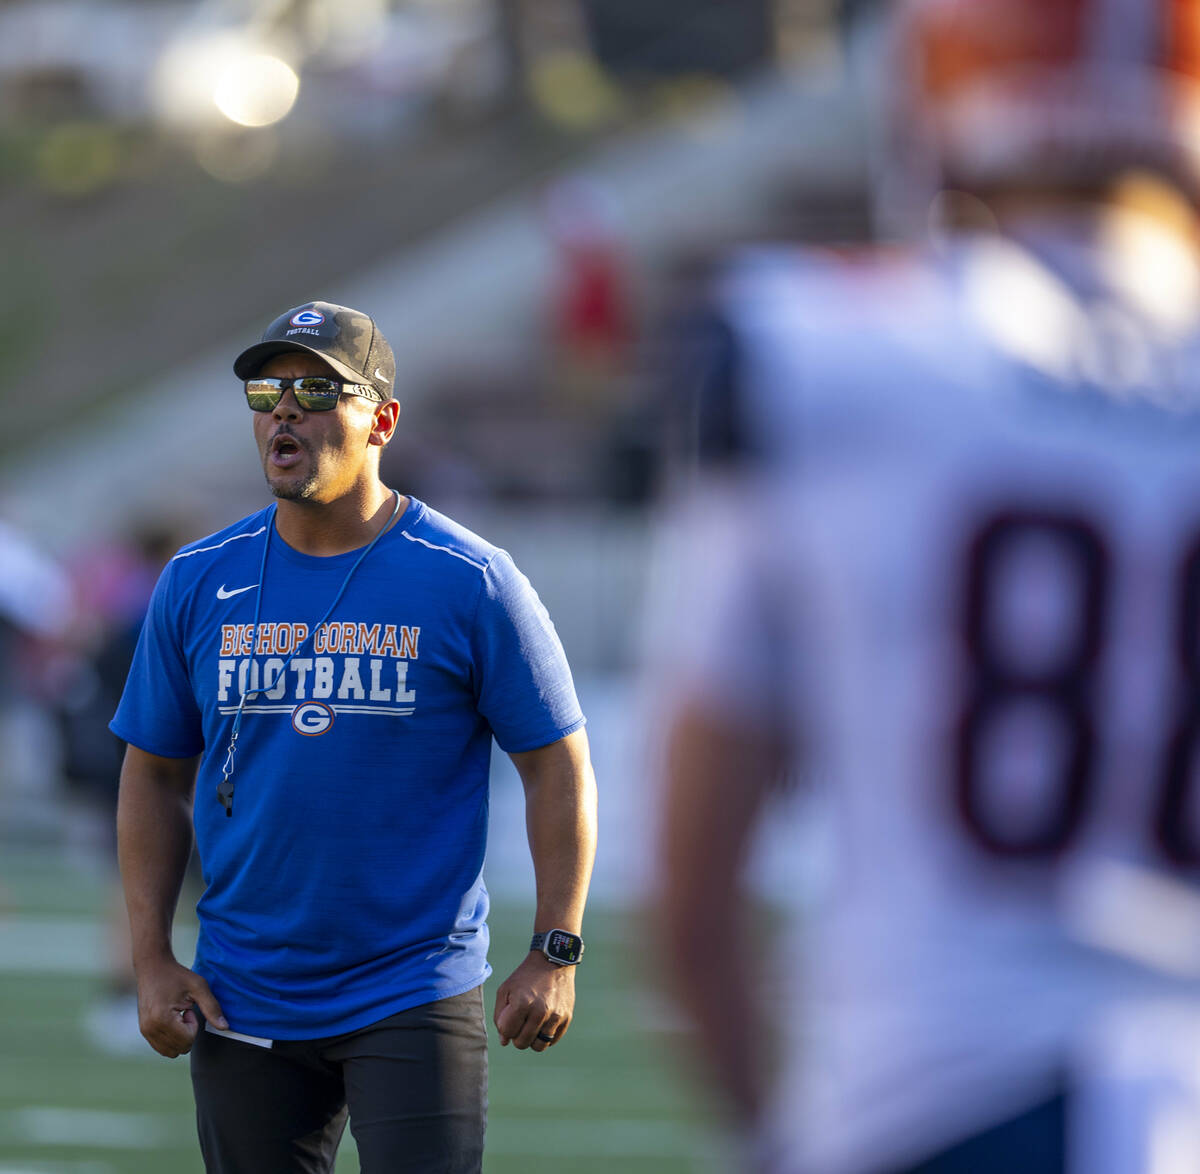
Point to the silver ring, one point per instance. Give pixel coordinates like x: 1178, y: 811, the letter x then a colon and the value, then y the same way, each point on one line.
x: 546, y: 1038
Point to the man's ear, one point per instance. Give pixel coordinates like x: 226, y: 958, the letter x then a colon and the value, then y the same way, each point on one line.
x: 384, y: 423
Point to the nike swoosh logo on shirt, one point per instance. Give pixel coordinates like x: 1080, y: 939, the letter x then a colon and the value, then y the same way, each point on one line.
x: 223, y: 594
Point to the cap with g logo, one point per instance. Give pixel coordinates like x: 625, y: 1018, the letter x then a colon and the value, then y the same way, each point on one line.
x: 348, y: 340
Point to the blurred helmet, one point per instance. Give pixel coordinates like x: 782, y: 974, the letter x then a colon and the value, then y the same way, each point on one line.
x: 999, y: 95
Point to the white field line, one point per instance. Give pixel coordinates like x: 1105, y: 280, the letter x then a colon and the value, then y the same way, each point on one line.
x: 99, y: 1129
x: 85, y: 1167
x: 63, y: 945
x: 92, y: 1128
x: 602, y: 1138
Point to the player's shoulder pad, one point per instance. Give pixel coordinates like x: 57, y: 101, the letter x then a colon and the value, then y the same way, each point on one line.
x: 821, y: 287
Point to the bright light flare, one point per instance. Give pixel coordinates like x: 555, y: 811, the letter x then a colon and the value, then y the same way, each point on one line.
x: 200, y: 81
x: 256, y: 89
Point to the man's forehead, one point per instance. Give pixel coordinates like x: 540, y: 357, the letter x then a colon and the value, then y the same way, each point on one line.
x: 295, y: 363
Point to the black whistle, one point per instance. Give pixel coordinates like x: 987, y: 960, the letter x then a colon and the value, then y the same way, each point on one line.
x: 225, y: 796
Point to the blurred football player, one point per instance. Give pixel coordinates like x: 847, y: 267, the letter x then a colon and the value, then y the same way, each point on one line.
x: 942, y: 567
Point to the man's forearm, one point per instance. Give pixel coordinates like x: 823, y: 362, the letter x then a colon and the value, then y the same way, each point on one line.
x: 535, y: 1005
x: 154, y: 836
x: 716, y: 781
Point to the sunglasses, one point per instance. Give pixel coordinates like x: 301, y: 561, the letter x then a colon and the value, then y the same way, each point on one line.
x: 314, y: 393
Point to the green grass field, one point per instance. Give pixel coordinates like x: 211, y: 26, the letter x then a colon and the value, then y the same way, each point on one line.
x: 610, y: 1097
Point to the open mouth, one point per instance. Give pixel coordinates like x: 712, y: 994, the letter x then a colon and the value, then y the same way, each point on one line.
x: 284, y: 451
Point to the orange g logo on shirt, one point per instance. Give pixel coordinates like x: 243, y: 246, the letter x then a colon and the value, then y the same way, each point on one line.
x: 312, y: 718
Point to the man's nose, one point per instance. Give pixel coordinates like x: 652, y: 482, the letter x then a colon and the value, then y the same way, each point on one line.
x: 287, y: 408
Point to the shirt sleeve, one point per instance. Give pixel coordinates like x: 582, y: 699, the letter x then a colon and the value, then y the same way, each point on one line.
x: 523, y: 682
x: 158, y: 711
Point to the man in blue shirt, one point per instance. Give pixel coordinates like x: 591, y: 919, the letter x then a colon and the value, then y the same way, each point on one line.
x: 316, y: 690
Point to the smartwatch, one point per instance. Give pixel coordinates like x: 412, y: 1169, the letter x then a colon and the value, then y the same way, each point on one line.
x: 559, y: 947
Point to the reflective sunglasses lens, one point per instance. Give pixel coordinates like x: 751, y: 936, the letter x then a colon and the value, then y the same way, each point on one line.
x: 316, y: 393
x: 261, y: 396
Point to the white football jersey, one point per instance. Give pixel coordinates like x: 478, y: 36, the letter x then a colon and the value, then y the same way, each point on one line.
x: 963, y: 568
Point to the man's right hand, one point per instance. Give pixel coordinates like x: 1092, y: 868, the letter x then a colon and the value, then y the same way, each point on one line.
x: 168, y: 997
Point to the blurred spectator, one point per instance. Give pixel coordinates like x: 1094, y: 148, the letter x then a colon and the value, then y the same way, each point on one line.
x: 115, y: 581
x: 114, y: 586
x: 35, y: 596
x: 36, y: 610
x: 945, y: 571
x: 591, y: 304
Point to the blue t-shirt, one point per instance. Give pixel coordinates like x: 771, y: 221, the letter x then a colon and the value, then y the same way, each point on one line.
x: 347, y: 885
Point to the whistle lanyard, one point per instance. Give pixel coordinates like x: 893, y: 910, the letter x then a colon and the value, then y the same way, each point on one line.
x: 225, y: 786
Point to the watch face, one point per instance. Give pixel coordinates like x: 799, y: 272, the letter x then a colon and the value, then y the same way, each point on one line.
x: 564, y: 947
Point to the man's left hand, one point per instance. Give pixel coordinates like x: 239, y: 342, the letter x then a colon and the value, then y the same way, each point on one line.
x: 535, y: 1004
